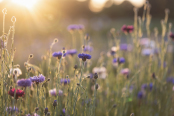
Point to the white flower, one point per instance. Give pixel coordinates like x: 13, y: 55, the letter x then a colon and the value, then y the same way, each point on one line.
x: 16, y: 71
x: 101, y: 71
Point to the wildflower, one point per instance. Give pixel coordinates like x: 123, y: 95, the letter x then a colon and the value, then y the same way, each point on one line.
x: 37, y: 79
x: 19, y: 93
x: 12, y: 110
x: 144, y: 86
x: 46, y: 111
x: 63, y: 110
x: 126, y: 47
x: 88, y: 48
x: 127, y: 29
x: 125, y: 71
x: 140, y: 94
x: 52, y: 92
x: 101, y: 71
x: 65, y: 81
x: 170, y: 80
x: 75, y: 67
x: 24, y: 82
x: 147, y: 51
x: 146, y: 42
x: 55, y: 103
x: 72, y: 27
x: 151, y: 86
x: 84, y: 56
x: 58, y: 55
x: 71, y: 52
x: 16, y: 71
x: 119, y: 60
x: 171, y: 36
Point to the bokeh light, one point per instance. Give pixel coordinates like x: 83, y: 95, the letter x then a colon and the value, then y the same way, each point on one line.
x: 137, y: 3
x: 97, y: 5
x: 118, y: 2
x: 26, y: 3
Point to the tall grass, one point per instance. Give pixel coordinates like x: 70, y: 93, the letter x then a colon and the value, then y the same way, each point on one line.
x: 131, y: 79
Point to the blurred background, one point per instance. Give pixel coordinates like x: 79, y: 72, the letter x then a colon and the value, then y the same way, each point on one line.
x: 40, y: 21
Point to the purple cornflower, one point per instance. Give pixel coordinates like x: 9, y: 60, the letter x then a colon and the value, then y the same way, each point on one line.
x: 126, y: 47
x: 151, y: 86
x: 58, y: 55
x: 170, y: 80
x: 24, y: 82
x: 127, y: 29
x: 119, y: 60
x: 144, y: 86
x: 140, y: 94
x: 12, y: 110
x: 171, y: 36
x: 88, y: 48
x: 71, y: 52
x: 84, y: 56
x: 65, y: 81
x: 37, y: 79
x: 72, y: 27
x: 63, y: 110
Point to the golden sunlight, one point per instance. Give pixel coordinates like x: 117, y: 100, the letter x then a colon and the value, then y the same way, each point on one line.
x: 26, y: 3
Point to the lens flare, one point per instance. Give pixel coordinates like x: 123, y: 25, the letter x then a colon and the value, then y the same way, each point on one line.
x: 26, y: 3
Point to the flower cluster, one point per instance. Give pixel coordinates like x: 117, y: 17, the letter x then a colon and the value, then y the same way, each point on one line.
x: 19, y: 93
x: 84, y: 56
x: 24, y: 82
x: 71, y: 52
x: 58, y: 55
x: 37, y: 79
x: 65, y: 81
x: 127, y: 29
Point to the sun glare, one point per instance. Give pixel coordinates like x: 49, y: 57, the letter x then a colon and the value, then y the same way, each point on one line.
x: 26, y: 3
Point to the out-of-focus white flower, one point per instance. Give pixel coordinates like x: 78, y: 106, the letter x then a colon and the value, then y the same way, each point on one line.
x: 101, y: 71
x: 125, y: 71
x: 52, y: 92
x: 16, y: 71
x: 146, y: 42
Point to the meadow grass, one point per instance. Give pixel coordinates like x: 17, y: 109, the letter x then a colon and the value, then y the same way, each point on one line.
x: 133, y: 78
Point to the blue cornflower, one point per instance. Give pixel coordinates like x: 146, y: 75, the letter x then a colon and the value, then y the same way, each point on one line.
x: 58, y: 55
x: 144, y: 86
x: 72, y: 27
x: 37, y: 79
x: 46, y: 111
x: 140, y: 94
x: 84, y: 56
x: 24, y: 82
x: 151, y: 86
x: 71, y: 52
x: 88, y: 48
x: 65, y: 81
x: 119, y: 60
